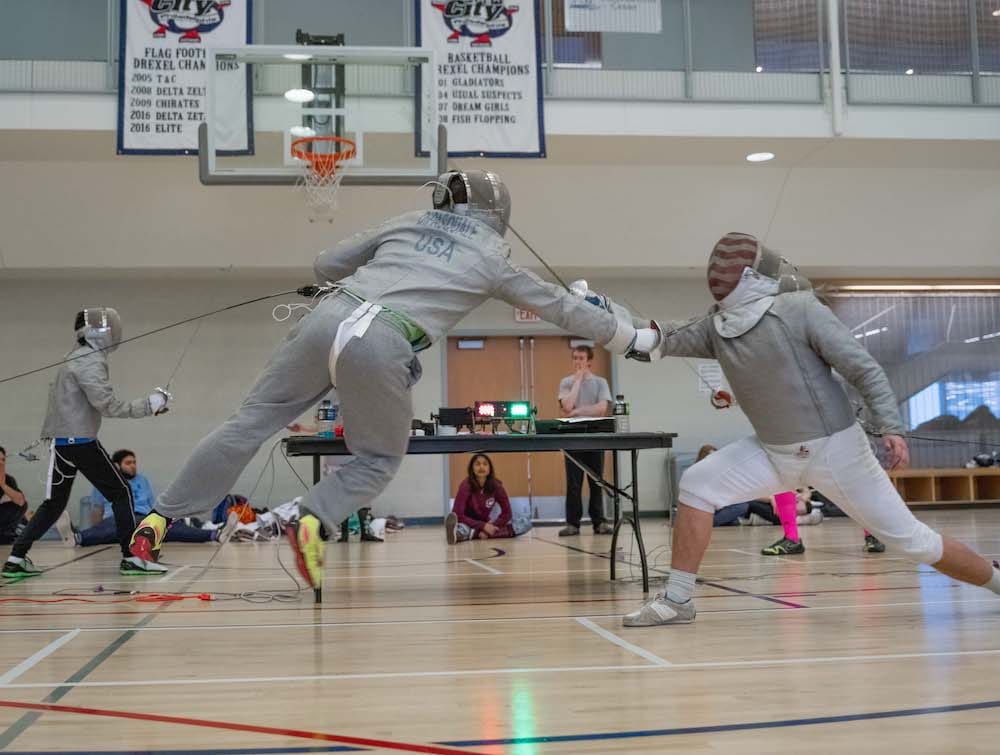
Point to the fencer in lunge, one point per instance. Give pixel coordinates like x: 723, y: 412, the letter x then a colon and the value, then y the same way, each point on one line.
x: 396, y: 289
x: 778, y: 346
x: 79, y: 396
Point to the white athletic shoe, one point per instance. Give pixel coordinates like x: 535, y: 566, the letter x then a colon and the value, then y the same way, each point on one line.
x: 660, y: 610
x: 813, y: 517
x: 228, y: 528
x: 64, y: 526
x: 756, y: 520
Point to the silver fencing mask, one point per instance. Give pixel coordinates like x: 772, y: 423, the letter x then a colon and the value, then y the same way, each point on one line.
x: 479, y: 194
x: 101, y: 327
x: 735, y: 251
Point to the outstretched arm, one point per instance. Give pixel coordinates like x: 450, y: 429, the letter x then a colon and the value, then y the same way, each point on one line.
x: 556, y: 305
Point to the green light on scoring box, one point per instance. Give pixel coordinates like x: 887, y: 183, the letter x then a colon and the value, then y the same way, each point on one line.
x: 519, y: 410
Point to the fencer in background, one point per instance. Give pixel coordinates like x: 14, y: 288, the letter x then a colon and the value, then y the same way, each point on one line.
x: 778, y: 345
x: 395, y: 290
x: 79, y: 397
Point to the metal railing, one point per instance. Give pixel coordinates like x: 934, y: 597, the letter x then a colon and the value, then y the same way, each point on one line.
x: 947, y: 52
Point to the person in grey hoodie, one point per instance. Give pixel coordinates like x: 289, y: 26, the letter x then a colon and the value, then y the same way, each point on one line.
x: 778, y: 346
x: 394, y: 290
x: 79, y: 397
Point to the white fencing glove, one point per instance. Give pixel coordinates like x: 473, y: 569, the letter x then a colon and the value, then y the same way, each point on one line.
x: 158, y: 401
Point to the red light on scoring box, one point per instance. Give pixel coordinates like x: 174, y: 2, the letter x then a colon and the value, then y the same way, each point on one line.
x: 486, y: 410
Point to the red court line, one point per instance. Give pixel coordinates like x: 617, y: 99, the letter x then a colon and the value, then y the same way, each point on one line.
x: 314, y: 735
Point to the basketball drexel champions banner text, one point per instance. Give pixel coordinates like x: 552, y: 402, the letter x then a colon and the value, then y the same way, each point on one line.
x: 163, y: 75
x: 489, y: 84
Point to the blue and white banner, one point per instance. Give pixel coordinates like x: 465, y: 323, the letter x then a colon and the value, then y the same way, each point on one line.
x: 488, y: 77
x: 637, y: 16
x: 163, y: 76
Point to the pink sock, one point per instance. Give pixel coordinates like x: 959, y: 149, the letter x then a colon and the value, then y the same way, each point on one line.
x: 867, y: 533
x: 784, y: 504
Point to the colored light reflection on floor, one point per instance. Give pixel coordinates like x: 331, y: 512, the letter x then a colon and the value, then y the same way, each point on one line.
x: 523, y: 710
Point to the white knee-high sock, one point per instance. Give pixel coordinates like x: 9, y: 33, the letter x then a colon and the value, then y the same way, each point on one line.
x: 994, y: 584
x: 680, y: 585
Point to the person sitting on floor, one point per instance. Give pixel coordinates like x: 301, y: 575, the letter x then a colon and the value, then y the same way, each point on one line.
x: 13, y: 505
x: 104, y: 532
x: 482, y: 508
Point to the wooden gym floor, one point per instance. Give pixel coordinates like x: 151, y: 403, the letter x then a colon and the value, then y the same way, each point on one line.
x: 422, y: 647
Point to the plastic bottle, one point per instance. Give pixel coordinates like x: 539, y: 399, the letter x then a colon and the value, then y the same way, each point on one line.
x: 620, y: 413
x: 325, y: 419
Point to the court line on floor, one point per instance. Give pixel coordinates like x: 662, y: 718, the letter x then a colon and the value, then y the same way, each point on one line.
x: 717, y: 728
x: 30, y: 661
x: 615, y: 639
x: 227, y: 751
x: 169, y: 576
x: 230, y: 726
x: 18, y: 727
x: 490, y: 569
x: 672, y: 667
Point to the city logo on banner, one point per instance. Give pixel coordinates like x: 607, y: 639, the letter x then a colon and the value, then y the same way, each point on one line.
x: 189, y: 18
x: 483, y: 20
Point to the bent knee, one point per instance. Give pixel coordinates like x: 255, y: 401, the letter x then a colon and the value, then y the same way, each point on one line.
x: 923, y: 545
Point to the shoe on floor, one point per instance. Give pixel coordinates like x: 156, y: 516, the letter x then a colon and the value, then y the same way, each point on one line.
x: 308, y: 547
x: 756, y: 520
x: 604, y: 529
x: 228, y: 528
x: 24, y: 568
x: 133, y: 566
x: 784, y: 547
x: 568, y: 530
x: 873, y: 545
x: 660, y: 610
x: 148, y: 537
x: 813, y: 517
x: 450, y: 524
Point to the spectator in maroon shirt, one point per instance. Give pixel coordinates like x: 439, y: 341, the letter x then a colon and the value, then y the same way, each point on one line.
x: 482, y: 508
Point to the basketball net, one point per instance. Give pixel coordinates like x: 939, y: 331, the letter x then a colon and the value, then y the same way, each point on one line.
x: 322, y: 172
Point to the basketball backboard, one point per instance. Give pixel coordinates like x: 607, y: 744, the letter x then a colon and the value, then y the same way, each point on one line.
x: 369, y: 95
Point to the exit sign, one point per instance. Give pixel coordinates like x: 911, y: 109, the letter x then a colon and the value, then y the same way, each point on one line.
x: 523, y: 315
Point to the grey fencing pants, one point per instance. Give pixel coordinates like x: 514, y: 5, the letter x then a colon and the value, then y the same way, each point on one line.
x: 374, y: 376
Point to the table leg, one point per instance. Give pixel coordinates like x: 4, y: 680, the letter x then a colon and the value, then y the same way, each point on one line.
x: 317, y: 472
x: 635, y: 520
x: 616, y: 484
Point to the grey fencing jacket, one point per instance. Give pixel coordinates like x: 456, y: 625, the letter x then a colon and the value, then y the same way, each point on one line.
x: 82, y: 394
x: 781, y: 370
x: 435, y: 267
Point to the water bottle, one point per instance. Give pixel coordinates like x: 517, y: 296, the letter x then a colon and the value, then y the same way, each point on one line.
x: 325, y: 419
x: 620, y: 413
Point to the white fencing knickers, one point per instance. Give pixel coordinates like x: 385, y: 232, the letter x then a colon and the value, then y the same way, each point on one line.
x: 841, y: 466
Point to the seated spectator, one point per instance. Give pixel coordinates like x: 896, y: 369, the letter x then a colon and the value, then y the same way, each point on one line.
x: 13, y: 505
x: 482, y: 509
x: 105, y: 532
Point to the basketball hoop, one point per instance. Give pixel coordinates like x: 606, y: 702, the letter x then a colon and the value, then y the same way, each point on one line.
x: 321, y: 175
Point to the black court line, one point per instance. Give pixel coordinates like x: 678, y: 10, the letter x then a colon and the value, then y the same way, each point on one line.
x: 876, y: 715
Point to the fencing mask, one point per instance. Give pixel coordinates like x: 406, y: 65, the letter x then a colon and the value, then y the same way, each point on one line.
x: 100, y: 327
x: 735, y: 251
x: 479, y: 194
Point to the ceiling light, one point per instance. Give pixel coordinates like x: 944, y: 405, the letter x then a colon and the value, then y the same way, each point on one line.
x: 760, y: 157
x: 908, y: 72
x: 300, y: 95
x: 302, y: 131
x: 760, y: 69
x: 996, y: 12
x: 296, y: 56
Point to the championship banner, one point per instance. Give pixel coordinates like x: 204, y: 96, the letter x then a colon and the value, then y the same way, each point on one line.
x: 163, y: 81
x: 488, y: 78
x: 637, y: 16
